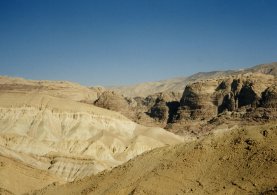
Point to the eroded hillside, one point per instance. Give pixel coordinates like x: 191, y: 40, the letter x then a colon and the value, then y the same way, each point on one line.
x: 69, y: 139
x: 238, y: 160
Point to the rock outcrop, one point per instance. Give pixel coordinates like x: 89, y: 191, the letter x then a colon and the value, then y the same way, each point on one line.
x: 244, y: 96
x: 269, y: 97
x: 250, y: 96
x: 197, y: 101
x: 154, y: 110
x: 116, y: 102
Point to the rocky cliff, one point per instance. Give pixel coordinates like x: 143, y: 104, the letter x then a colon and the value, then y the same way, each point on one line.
x: 250, y: 96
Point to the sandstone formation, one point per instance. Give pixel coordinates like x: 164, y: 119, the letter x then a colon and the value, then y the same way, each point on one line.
x: 160, y: 107
x: 116, y: 102
x: 245, y: 96
x: 154, y: 110
x: 249, y: 96
x: 197, y: 101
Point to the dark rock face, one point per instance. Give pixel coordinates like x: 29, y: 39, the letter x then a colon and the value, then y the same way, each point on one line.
x: 173, y: 109
x: 228, y: 103
x: 191, y: 99
x: 159, y: 111
x: 247, y: 96
x: 239, y: 97
x: 269, y: 97
x: 163, y: 106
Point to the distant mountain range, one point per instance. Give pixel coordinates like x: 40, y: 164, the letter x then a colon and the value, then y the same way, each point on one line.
x: 178, y: 84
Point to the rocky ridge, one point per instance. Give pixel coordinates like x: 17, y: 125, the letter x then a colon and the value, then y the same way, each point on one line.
x: 178, y: 84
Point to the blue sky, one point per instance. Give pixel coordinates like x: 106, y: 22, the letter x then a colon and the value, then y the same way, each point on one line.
x: 101, y: 42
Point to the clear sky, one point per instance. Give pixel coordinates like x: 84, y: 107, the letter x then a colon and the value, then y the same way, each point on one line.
x: 101, y: 42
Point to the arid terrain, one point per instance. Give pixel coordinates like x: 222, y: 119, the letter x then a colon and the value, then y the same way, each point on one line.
x: 228, y: 161
x: 210, y: 133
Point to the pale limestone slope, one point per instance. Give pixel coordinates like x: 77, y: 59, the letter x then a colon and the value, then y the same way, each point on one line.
x: 241, y: 160
x: 17, y: 178
x: 70, y: 139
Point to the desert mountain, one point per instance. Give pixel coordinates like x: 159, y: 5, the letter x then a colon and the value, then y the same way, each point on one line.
x: 270, y: 69
x: 69, y: 139
x: 238, y: 160
x: 67, y: 132
x: 178, y: 84
x: 247, y: 96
